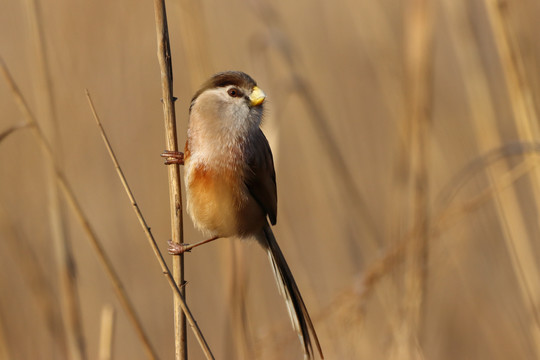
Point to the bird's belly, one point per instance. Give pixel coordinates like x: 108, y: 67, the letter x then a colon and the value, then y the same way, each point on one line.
x: 215, y: 200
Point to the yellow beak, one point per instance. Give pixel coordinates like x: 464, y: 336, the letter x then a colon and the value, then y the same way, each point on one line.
x: 257, y: 96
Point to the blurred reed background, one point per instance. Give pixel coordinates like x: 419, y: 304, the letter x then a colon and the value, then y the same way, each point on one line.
x: 405, y: 136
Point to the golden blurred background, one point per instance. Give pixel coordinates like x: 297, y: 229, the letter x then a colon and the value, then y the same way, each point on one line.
x: 405, y: 136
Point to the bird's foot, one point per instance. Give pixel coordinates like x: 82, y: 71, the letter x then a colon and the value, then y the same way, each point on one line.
x: 177, y: 249
x: 173, y: 157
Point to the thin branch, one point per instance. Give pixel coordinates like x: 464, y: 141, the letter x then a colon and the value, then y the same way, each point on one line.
x: 149, y: 235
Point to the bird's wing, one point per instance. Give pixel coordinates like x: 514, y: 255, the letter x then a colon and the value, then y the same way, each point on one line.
x: 261, y: 177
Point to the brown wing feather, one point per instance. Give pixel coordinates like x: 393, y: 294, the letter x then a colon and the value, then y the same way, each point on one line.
x: 261, y: 178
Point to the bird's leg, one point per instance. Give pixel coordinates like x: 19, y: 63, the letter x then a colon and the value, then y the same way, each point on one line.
x: 173, y: 157
x: 177, y: 249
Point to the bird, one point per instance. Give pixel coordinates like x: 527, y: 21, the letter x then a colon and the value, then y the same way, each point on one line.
x: 230, y: 181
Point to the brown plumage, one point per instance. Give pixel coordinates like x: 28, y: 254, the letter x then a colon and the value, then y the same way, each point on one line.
x: 231, y: 181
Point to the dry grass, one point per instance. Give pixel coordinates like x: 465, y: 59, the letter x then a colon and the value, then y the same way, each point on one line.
x: 106, y: 333
x: 65, y: 261
x: 411, y: 233
x: 66, y: 189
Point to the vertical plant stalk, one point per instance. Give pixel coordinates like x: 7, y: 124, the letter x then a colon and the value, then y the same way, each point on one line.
x: 81, y: 217
x: 418, y: 68
x: 518, y: 239
x: 65, y: 262
x: 175, y: 194
x: 106, y: 333
x: 270, y: 18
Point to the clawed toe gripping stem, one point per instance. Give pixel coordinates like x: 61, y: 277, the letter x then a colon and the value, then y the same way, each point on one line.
x: 177, y: 249
x: 173, y: 157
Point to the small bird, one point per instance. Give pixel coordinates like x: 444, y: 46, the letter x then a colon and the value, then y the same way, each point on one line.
x: 231, y: 182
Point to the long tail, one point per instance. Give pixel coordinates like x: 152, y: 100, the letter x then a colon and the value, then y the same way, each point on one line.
x: 288, y: 288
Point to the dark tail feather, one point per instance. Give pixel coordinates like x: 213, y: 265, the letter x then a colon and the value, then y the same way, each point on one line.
x: 287, y: 287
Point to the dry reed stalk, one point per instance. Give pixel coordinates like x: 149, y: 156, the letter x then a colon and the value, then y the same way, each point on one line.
x: 418, y: 69
x: 175, y: 191
x: 65, y: 262
x: 66, y: 189
x: 518, y: 239
x: 106, y: 333
x: 276, y: 37
x: 148, y: 233
x: 375, y: 33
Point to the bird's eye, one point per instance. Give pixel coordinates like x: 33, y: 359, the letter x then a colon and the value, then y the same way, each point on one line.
x: 234, y: 92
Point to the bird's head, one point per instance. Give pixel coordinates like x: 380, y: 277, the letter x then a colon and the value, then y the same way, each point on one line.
x: 229, y: 102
